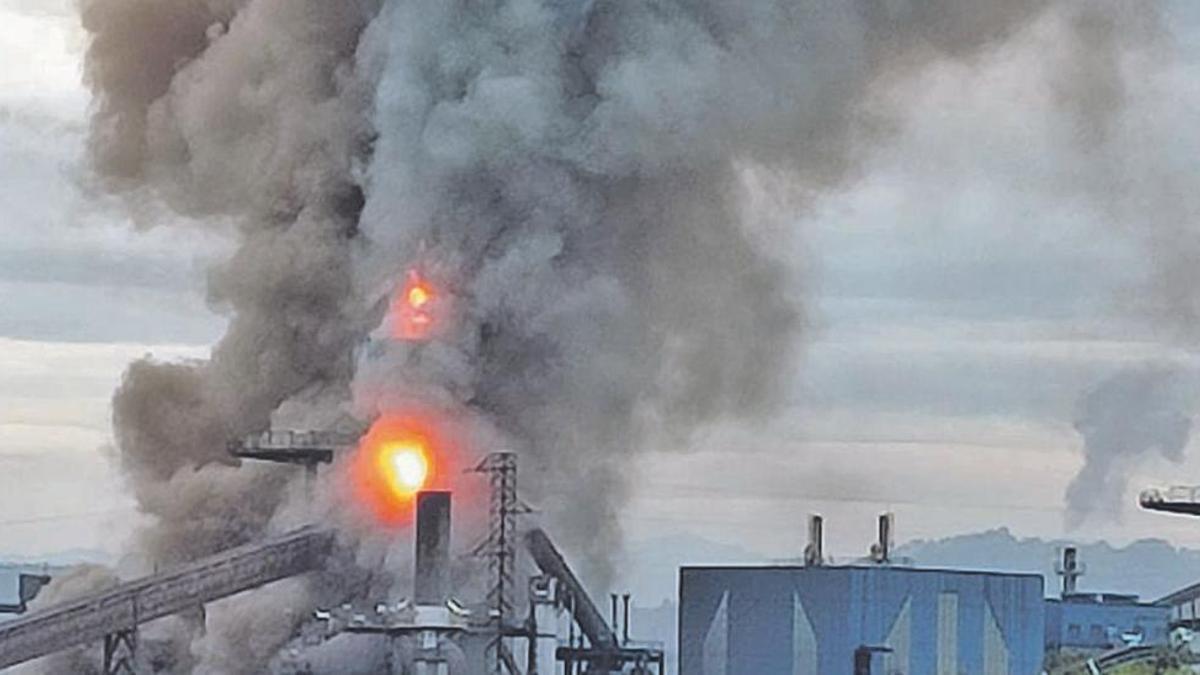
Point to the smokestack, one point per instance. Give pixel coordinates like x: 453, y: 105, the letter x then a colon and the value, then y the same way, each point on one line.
x: 814, y: 552
x: 614, y: 624
x: 431, y: 582
x: 1070, y: 570
x: 881, y: 552
x: 625, y: 624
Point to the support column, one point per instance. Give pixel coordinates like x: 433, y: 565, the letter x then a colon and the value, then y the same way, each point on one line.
x: 120, y: 652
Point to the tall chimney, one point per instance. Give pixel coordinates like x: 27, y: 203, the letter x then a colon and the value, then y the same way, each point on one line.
x: 881, y: 552
x: 814, y: 552
x: 431, y: 582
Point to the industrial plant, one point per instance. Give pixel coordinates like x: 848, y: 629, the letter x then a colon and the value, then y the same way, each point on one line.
x: 430, y: 308
x: 885, y: 616
x: 879, y: 614
x: 536, y: 616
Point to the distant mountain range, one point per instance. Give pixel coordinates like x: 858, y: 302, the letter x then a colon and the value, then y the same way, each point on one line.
x: 1150, y: 568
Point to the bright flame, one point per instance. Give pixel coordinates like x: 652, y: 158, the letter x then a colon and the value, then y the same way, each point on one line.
x: 418, y: 296
x: 413, y: 310
x: 401, y: 455
x: 406, y: 466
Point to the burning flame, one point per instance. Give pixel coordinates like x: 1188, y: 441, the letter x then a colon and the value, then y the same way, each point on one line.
x: 406, y: 466
x: 419, y: 296
x: 413, y: 309
x: 402, y: 454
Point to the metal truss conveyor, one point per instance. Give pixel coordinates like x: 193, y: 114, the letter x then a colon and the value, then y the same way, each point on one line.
x: 121, y: 609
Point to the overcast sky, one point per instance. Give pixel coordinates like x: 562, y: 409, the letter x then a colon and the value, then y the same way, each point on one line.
x: 959, y: 306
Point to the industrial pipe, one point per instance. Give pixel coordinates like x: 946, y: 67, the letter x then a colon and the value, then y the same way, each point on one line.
x: 551, y: 562
x: 625, y: 623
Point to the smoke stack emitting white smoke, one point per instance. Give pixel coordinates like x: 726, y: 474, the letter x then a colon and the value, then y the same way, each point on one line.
x: 574, y: 173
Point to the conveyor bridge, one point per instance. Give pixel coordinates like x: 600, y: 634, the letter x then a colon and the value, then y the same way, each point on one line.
x: 119, y: 610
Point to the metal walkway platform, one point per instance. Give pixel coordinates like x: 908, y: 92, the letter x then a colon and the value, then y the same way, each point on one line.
x: 1181, y: 499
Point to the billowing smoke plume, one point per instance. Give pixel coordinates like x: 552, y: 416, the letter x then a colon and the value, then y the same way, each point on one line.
x: 572, y: 173
x: 245, y: 114
x: 578, y: 172
x: 1138, y: 412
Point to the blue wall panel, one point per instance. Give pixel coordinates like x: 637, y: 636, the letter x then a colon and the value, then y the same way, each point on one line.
x: 852, y: 606
x: 1082, y: 624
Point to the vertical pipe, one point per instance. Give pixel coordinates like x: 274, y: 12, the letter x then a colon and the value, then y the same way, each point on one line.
x: 531, y: 660
x: 625, y: 623
x: 814, y: 552
x: 571, y: 623
x: 885, y: 538
x: 570, y: 669
x: 862, y: 661
x: 614, y: 613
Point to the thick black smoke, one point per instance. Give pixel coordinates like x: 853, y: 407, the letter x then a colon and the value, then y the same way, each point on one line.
x: 574, y: 174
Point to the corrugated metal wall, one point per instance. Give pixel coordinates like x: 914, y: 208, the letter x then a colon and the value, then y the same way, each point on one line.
x: 1089, y: 625
x: 797, y: 621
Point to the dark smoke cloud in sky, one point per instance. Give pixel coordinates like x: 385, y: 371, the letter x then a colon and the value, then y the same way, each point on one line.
x: 581, y: 177
x: 1136, y: 413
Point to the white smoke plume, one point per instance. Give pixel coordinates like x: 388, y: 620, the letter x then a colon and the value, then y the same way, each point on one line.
x: 573, y: 174
x: 1138, y: 412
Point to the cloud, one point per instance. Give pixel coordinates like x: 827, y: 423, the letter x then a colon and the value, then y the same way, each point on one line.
x: 54, y: 423
x: 968, y: 292
x: 71, y: 265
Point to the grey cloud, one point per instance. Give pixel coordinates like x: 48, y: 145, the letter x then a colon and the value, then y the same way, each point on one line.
x: 103, y: 313
x: 101, y: 267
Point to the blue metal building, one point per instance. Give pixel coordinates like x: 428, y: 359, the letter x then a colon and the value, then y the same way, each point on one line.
x: 1101, y: 621
x: 811, y: 620
x: 1184, y: 606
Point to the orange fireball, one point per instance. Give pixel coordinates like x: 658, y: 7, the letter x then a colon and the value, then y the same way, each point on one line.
x: 414, y: 309
x: 405, y: 466
x: 402, y: 454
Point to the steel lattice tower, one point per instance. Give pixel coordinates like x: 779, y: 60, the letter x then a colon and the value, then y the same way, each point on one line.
x: 500, y: 547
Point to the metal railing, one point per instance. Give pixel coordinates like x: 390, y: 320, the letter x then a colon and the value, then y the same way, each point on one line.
x: 286, y: 439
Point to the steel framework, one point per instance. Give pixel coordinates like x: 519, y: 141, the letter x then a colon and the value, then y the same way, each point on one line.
x: 500, y: 550
x: 120, y: 652
x: 114, y: 615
